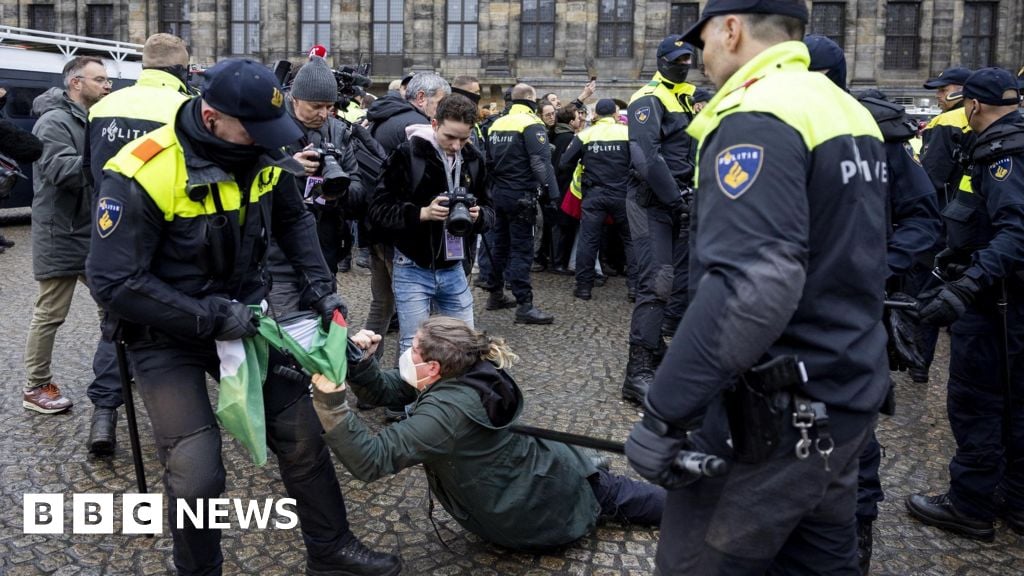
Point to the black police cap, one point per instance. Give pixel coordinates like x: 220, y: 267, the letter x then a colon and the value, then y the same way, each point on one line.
x: 952, y: 75
x: 793, y: 8
x: 988, y: 86
x: 249, y: 91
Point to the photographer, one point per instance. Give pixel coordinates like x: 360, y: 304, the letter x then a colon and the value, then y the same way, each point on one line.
x: 332, y: 183
x: 517, y: 491
x: 431, y: 196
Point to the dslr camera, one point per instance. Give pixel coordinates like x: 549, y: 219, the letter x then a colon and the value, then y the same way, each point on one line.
x: 459, y: 201
x: 336, y: 179
x: 9, y: 174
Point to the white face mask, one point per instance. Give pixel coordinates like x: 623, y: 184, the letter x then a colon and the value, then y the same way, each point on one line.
x: 407, y: 369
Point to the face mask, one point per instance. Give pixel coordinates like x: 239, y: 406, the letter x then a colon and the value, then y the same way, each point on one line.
x: 407, y: 369
x: 673, y: 72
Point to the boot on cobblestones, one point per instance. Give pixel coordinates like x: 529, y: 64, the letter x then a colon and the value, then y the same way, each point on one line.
x: 527, y: 313
x: 864, y: 542
x: 639, y: 374
x: 5, y: 243
x: 354, y: 559
x: 103, y: 431
x: 498, y: 300
x: 45, y: 399
x: 938, y: 511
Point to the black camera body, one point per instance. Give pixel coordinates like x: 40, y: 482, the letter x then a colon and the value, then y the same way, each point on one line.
x: 9, y: 174
x: 349, y: 78
x: 459, y: 201
x: 336, y: 179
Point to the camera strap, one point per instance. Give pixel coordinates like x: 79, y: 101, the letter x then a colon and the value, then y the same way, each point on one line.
x: 452, y: 171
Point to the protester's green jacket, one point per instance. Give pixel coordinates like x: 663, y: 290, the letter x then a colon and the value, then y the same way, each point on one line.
x: 513, y: 490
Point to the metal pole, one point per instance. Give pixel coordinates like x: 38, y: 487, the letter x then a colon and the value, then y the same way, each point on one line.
x: 129, y: 410
x: 1001, y: 305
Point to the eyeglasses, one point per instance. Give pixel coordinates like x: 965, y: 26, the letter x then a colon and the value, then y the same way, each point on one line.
x: 98, y: 80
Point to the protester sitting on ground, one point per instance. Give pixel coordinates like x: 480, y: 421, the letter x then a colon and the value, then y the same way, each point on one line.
x: 513, y: 490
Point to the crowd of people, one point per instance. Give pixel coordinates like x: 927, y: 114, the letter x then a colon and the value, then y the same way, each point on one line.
x: 759, y: 247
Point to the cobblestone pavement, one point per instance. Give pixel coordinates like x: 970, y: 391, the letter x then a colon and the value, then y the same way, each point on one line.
x: 570, y: 373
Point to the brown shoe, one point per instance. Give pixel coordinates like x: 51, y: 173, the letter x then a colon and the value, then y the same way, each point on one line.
x: 46, y: 399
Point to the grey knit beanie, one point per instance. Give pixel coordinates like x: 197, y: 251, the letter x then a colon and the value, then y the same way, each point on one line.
x: 315, y: 82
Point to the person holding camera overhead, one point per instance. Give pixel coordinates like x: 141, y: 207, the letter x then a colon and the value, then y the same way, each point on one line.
x: 332, y: 184
x: 430, y: 197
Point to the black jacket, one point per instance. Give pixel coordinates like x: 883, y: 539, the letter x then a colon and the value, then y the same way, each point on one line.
x: 388, y: 119
x: 395, y: 208
x: 561, y: 136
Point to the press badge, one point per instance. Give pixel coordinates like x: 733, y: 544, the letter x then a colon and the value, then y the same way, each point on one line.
x: 453, y: 247
x: 312, y: 190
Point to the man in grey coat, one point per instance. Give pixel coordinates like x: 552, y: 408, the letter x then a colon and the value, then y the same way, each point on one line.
x: 61, y: 218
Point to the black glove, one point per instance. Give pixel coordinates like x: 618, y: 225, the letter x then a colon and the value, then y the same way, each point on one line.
x: 234, y: 320
x: 951, y: 302
x: 652, y: 449
x: 326, y: 306
x: 902, y: 345
x: 948, y: 265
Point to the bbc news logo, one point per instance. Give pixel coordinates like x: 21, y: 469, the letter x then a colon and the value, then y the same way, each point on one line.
x: 95, y: 513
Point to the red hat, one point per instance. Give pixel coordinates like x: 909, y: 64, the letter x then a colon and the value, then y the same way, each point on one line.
x: 318, y: 50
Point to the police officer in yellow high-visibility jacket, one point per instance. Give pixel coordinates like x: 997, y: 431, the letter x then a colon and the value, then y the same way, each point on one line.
x: 789, y: 240
x: 178, y: 254
x: 117, y: 119
x: 519, y: 164
x: 946, y: 136
x: 603, y: 152
x: 662, y: 154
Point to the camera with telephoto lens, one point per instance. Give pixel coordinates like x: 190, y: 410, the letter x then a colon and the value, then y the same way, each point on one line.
x: 458, y: 201
x: 9, y: 174
x: 336, y: 179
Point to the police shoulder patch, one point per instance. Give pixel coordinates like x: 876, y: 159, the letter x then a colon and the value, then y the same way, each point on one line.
x: 642, y: 114
x: 737, y: 167
x: 541, y: 138
x: 108, y: 215
x: 1001, y: 169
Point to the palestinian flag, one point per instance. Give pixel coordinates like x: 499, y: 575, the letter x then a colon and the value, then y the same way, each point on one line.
x: 243, y: 369
x: 316, y: 350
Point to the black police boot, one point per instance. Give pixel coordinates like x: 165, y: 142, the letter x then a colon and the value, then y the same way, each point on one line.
x: 346, y: 264
x: 355, y: 559
x: 938, y: 511
x: 864, y: 541
x: 527, y: 313
x: 103, y: 431
x: 582, y: 293
x: 639, y: 374
x: 498, y: 300
x: 5, y: 243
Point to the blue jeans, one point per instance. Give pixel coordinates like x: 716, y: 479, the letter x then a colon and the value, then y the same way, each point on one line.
x: 419, y: 290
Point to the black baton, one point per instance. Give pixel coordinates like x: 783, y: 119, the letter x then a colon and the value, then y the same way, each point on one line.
x: 129, y: 410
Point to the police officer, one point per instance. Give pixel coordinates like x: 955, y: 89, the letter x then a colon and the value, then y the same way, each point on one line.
x: 983, y: 299
x: 519, y: 161
x: 121, y: 117
x: 789, y: 273
x: 944, y: 142
x: 603, y: 152
x: 178, y: 254
x: 663, y: 157
x: 914, y: 228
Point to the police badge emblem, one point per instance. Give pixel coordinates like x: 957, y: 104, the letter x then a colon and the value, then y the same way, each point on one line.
x: 737, y: 167
x: 1001, y: 169
x: 108, y: 216
x: 642, y: 114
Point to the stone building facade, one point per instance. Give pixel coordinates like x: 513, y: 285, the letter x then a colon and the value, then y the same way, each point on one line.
x: 557, y: 45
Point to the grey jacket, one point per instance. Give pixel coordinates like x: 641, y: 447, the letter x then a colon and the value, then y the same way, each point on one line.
x: 62, y: 204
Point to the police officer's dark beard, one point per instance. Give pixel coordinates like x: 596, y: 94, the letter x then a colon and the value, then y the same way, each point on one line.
x: 231, y: 157
x: 673, y: 72
x: 528, y: 103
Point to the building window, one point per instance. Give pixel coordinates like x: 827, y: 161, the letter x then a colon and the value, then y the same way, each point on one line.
x: 245, y: 26
x: 902, y: 44
x: 42, y: 17
x: 978, y: 44
x: 99, y: 21
x: 315, y: 23
x: 682, y: 15
x: 176, y: 19
x: 462, y: 27
x: 829, y: 19
x: 615, y: 29
x: 388, y: 26
x: 537, y: 29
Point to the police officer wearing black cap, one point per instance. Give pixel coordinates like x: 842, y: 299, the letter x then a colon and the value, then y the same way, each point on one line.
x: 178, y: 254
x: 983, y: 299
x: 657, y: 205
x: 913, y: 215
x: 779, y: 363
